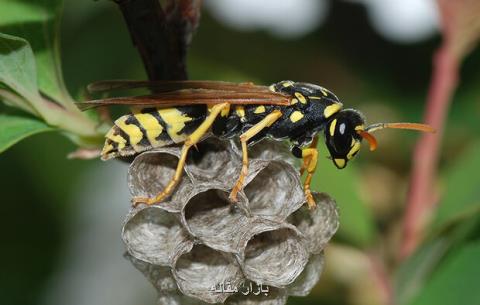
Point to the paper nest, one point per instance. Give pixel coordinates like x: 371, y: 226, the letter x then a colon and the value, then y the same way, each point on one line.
x: 198, y: 248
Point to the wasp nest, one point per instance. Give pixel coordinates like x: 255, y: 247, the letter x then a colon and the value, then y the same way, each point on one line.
x: 197, y: 247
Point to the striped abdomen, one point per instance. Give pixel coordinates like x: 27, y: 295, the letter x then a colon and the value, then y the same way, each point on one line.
x: 150, y: 128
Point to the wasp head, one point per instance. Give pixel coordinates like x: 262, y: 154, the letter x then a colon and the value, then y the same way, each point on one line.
x: 346, y: 129
x: 342, y: 136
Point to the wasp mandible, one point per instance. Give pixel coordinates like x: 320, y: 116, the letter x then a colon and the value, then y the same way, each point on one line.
x: 183, y: 112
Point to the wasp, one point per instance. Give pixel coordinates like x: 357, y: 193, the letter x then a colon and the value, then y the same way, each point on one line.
x: 184, y: 112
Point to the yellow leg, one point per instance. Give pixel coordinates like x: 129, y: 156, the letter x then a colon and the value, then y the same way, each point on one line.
x: 247, y: 135
x: 192, y: 140
x: 310, y: 154
x: 306, y: 160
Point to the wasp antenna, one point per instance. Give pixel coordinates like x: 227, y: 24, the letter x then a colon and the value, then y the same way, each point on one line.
x: 370, y: 138
x: 409, y: 126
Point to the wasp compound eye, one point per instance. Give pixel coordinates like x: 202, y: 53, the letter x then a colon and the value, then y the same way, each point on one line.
x: 339, y: 141
x: 199, y: 247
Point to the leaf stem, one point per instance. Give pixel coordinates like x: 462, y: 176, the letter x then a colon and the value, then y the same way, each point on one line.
x: 57, y: 116
x: 17, y: 101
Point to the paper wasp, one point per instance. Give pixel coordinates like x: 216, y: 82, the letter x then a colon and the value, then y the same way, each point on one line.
x: 185, y: 111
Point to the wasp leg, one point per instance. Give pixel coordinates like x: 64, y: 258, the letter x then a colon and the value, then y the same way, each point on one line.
x: 192, y: 140
x: 247, y: 135
x: 310, y: 154
x: 306, y: 160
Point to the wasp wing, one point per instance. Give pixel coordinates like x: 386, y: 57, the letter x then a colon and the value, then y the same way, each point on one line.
x: 192, y: 97
x: 167, y: 86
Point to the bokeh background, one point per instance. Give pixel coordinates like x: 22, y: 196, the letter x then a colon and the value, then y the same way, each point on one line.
x: 61, y: 219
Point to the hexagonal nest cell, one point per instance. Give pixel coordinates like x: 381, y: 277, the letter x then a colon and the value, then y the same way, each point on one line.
x: 286, y: 246
x: 197, y: 247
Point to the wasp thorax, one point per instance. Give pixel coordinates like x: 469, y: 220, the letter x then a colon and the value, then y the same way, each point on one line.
x: 341, y: 136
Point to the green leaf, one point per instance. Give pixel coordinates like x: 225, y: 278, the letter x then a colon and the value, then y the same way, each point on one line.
x: 456, y: 281
x: 462, y: 196
x: 15, y: 128
x: 415, y: 272
x: 356, y: 220
x: 455, y: 222
x: 17, y: 65
x: 38, y: 23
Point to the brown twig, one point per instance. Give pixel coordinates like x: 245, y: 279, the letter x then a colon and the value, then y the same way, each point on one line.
x: 162, y: 36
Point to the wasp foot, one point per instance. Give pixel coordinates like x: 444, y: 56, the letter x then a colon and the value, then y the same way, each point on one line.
x: 310, y: 201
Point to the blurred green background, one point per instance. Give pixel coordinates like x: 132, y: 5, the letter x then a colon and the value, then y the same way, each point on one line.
x: 61, y: 218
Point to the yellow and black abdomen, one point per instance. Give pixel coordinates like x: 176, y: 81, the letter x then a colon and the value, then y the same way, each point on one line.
x: 150, y: 128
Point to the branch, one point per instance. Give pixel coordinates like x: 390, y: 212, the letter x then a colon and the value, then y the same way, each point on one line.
x: 162, y: 36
